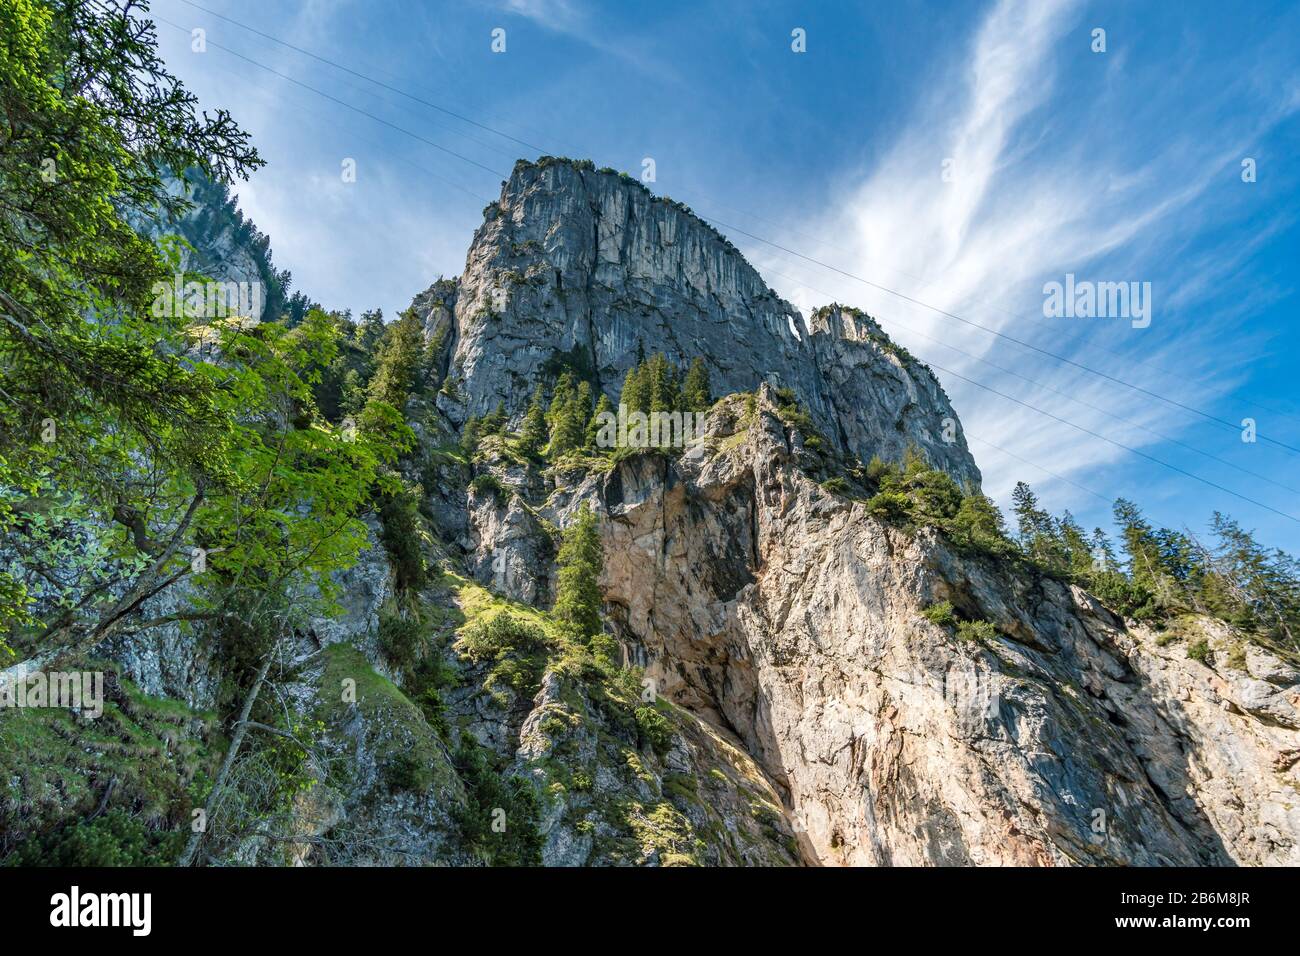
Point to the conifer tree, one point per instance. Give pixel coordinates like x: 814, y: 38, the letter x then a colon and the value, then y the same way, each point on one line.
x: 594, y: 426
x: 560, y: 399
x: 578, y: 598
x: 661, y: 382
x: 636, y: 393
x: 470, y: 434
x: 695, y: 391
x: 399, y: 359
x: 532, y: 435
x: 569, y: 426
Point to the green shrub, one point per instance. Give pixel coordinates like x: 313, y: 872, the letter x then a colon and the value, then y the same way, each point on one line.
x: 399, y: 520
x: 493, y: 796
x: 653, y: 728
x: 836, y: 486
x: 405, y: 772
x: 1199, y: 651
x: 114, y: 839
x: 400, y: 637
x: 891, y: 506
x: 979, y: 631
x: 488, y: 483
x: 425, y: 686
x: 516, y: 648
x: 941, y: 614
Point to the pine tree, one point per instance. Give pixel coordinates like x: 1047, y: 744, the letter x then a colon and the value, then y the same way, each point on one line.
x: 399, y: 359
x: 569, y: 428
x: 560, y: 399
x: 532, y: 435
x: 1254, y: 587
x: 578, y: 598
x: 1103, y: 552
x: 470, y: 434
x: 594, y: 426
x: 636, y: 393
x: 1140, y: 544
x: 1028, y: 516
x: 1074, y: 543
x: 695, y: 391
x: 660, y: 377
x: 494, y: 423
x: 980, y: 523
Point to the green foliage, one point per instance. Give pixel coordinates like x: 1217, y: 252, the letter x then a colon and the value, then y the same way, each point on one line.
x: 979, y: 631
x: 978, y: 526
x: 568, y: 416
x: 499, y: 822
x: 603, y: 408
x: 1199, y: 651
x: 1165, y: 573
x: 401, y: 636
x: 580, y: 560
x: 92, y: 122
x: 532, y: 436
x: 515, y: 648
x: 405, y: 771
x: 57, y: 767
x: 836, y: 484
x: 399, y: 361
x: 654, y: 729
x: 400, y: 534
x: 635, y: 394
x: 487, y: 483
x: 696, y: 396
x: 941, y: 614
x: 114, y: 839
x: 890, y: 506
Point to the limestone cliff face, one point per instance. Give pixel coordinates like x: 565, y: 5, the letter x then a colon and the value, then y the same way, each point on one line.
x: 798, y: 705
x: 589, y: 268
x: 793, y: 618
x: 220, y: 243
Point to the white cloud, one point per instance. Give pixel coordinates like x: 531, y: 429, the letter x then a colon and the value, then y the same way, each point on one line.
x: 1042, y: 183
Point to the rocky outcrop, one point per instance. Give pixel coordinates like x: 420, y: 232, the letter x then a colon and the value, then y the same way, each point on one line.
x: 689, y: 797
x: 220, y: 245
x: 793, y: 694
x: 588, y: 270
x: 793, y: 617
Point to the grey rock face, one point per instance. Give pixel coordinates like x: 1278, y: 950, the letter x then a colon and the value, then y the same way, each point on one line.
x: 792, y: 617
x: 512, y: 552
x: 589, y: 268
x: 221, y: 246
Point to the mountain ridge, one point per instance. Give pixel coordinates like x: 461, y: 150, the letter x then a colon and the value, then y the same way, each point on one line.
x: 572, y: 260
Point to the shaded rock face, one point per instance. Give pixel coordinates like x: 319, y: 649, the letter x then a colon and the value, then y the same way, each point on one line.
x: 512, y: 553
x: 702, y: 800
x: 220, y: 245
x: 589, y: 269
x: 792, y: 617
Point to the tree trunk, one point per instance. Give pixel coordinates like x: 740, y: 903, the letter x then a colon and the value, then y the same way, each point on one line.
x: 190, y: 856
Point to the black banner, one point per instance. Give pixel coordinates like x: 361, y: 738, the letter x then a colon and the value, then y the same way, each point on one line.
x: 335, y: 905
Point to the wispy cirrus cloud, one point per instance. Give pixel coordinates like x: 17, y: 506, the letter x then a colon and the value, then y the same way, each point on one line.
x: 1005, y: 179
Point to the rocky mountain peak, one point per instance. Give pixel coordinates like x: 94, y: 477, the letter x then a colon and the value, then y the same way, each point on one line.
x: 586, y: 269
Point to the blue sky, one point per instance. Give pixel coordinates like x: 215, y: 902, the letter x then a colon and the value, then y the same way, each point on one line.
x: 1122, y: 165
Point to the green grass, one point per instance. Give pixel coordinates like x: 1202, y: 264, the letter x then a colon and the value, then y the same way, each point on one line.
x: 56, y: 767
x: 406, y: 749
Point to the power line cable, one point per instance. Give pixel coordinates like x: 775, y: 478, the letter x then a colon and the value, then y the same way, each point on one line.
x: 869, y: 283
